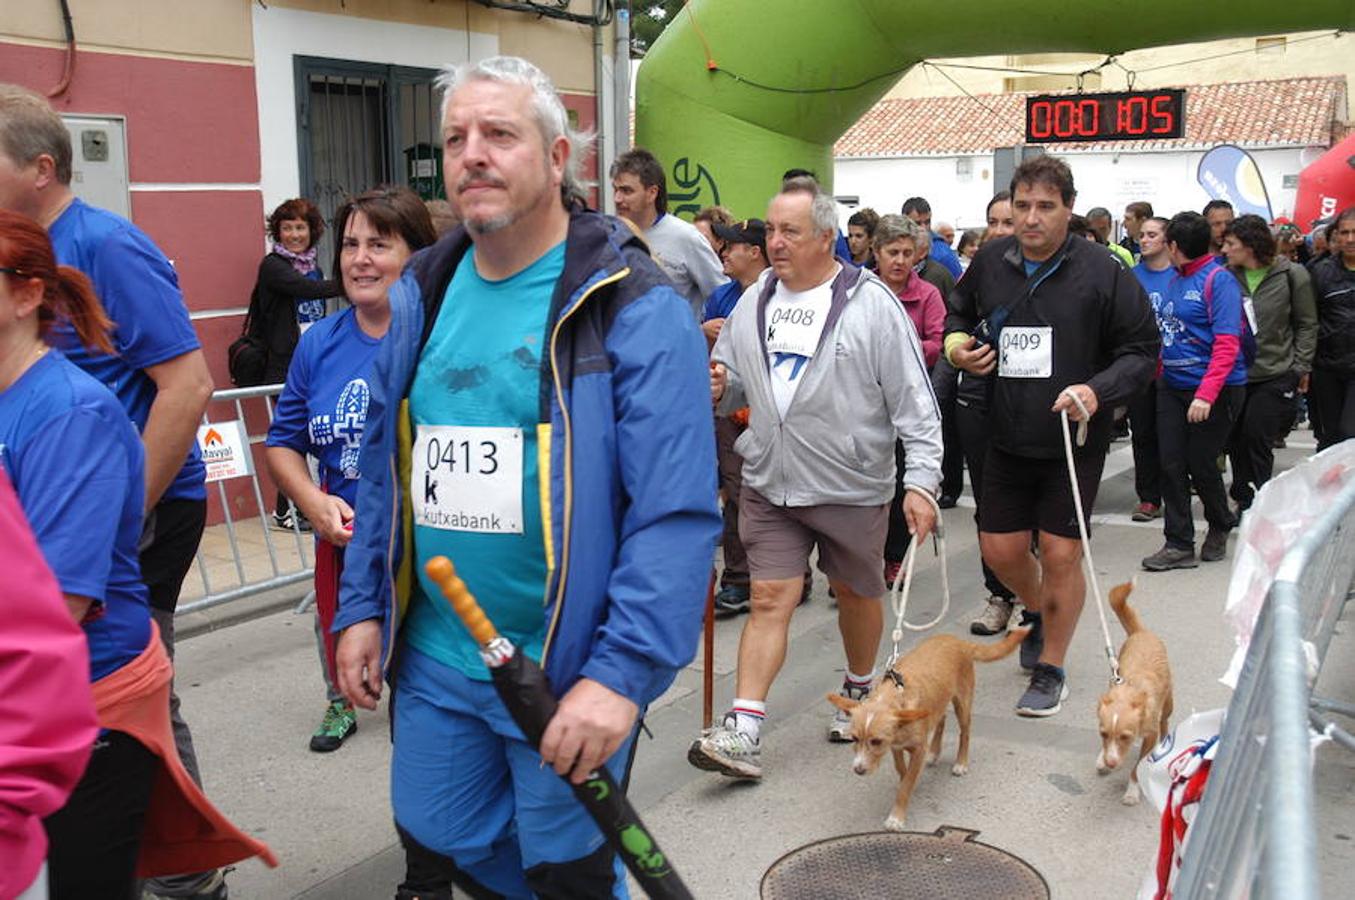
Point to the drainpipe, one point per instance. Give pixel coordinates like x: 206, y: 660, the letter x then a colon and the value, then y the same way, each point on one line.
x: 600, y: 113
x: 621, y: 78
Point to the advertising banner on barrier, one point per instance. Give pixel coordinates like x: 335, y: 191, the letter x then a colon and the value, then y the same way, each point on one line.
x: 225, y: 450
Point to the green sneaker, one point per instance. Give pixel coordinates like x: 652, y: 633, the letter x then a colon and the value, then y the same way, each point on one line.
x: 339, y: 722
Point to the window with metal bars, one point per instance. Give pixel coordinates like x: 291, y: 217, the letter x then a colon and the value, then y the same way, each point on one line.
x: 364, y: 124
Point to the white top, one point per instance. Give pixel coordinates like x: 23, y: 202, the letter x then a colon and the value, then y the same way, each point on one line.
x: 686, y: 258
x: 794, y: 322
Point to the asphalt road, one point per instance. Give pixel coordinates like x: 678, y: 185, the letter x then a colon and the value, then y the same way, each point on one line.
x: 252, y: 693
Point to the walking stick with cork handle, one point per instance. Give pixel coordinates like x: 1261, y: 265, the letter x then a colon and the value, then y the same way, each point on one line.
x: 524, y: 690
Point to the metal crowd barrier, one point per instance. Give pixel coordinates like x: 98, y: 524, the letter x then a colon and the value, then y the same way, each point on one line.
x: 1255, y: 834
x: 230, y: 460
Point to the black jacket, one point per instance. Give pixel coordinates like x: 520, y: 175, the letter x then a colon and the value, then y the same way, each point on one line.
x: 1334, y: 290
x: 1104, y: 332
x: 278, y: 288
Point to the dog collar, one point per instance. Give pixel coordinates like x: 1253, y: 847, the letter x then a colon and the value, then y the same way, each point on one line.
x: 895, y: 677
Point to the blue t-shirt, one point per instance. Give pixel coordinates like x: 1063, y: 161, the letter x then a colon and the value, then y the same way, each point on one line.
x: 309, y: 311
x: 482, y: 367
x: 1155, y: 284
x: 322, y: 410
x: 1189, y: 321
x: 78, y: 467
x: 722, y: 301
x: 140, y: 292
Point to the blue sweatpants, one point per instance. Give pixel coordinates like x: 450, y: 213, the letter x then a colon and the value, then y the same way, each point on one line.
x: 465, y: 783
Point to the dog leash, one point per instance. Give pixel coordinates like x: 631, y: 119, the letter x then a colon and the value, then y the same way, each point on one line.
x: 903, y: 582
x: 1082, y: 522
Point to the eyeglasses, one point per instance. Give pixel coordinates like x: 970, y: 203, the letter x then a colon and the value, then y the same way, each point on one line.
x: 10, y: 270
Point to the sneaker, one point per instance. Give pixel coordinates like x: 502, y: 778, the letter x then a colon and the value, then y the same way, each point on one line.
x: 994, y: 618
x: 339, y: 722
x: 1146, y: 512
x: 285, y: 521
x: 731, y: 601
x: 212, y: 888
x: 948, y: 501
x: 1033, y: 645
x: 840, y: 728
x: 1215, y: 546
x: 1048, y: 689
x: 1170, y: 557
x: 727, y: 750
x: 892, y: 567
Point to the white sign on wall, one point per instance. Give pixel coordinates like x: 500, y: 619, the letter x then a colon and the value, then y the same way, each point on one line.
x: 225, y: 450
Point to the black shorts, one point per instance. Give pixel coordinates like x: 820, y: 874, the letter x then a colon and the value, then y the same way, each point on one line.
x: 1025, y: 494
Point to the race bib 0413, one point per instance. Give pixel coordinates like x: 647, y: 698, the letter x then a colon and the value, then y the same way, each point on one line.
x: 467, y: 478
x: 1025, y: 352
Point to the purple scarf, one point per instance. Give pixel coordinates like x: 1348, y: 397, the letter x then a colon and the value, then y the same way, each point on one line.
x: 302, y: 262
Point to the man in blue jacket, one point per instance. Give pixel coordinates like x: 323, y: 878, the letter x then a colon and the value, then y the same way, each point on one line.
x: 540, y: 413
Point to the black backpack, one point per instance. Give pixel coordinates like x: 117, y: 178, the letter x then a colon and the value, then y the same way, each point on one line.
x: 247, y: 356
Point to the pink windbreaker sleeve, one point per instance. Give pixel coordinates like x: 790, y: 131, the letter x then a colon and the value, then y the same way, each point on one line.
x: 47, y: 721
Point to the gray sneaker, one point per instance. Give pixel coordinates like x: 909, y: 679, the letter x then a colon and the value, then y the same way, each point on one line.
x: 1048, y: 689
x: 1170, y: 557
x: 1215, y: 546
x: 727, y: 750
x: 840, y: 728
x: 994, y: 618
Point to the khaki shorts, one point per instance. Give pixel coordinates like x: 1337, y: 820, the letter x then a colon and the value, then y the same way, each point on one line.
x: 778, y: 540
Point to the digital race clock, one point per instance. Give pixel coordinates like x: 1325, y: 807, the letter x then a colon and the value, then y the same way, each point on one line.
x: 1129, y: 116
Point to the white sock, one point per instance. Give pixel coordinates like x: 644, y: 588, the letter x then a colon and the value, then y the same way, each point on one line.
x: 861, y: 682
x: 749, y: 715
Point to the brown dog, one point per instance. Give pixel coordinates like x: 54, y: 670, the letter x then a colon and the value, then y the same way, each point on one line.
x: 906, y: 711
x: 1139, y: 707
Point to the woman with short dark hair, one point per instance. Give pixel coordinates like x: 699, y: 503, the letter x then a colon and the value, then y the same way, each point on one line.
x: 289, y: 297
x: 1281, y: 296
x: 322, y: 411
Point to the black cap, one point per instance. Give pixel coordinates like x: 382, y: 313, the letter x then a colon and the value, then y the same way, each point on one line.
x: 749, y: 231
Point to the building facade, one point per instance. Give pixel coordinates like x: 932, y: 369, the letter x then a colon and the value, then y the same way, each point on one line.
x: 196, y: 119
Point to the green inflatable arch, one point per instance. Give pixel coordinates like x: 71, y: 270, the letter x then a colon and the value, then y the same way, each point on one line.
x: 737, y: 91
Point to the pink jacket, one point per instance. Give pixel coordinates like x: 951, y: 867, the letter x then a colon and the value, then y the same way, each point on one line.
x: 47, y: 720
x: 923, y: 303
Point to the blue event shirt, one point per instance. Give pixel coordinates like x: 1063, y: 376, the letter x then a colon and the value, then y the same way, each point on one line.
x: 722, y: 300
x: 482, y: 367
x: 1155, y: 284
x: 78, y: 467
x: 322, y: 410
x: 140, y: 293
x: 1189, y: 321
x: 310, y: 310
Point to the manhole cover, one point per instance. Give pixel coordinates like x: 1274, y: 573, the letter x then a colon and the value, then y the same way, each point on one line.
x: 886, y: 865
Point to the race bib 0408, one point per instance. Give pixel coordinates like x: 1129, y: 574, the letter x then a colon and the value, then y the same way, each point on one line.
x: 1026, y: 352
x: 467, y: 478
x: 794, y: 329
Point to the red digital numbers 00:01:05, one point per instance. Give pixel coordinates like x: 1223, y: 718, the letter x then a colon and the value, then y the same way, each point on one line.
x: 1135, y: 115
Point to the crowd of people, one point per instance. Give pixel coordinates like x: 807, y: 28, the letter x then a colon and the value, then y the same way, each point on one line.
x: 576, y: 409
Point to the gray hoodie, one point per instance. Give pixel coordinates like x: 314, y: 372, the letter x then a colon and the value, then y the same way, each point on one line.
x: 866, y: 384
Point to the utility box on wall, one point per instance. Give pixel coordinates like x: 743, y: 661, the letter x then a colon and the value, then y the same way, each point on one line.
x: 99, y: 161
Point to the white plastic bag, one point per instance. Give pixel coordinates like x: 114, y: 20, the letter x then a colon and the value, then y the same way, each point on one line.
x: 1284, y: 509
x: 1176, y: 770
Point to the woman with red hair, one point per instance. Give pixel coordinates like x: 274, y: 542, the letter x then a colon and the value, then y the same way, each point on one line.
x: 78, y: 466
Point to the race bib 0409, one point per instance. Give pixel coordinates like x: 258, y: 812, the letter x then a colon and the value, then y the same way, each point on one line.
x: 1026, y: 352
x: 467, y: 478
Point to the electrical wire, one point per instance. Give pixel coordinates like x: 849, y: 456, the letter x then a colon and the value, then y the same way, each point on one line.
x: 68, y: 70
x: 997, y: 117
x: 603, y: 10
